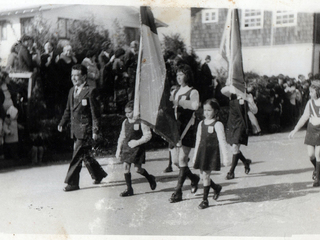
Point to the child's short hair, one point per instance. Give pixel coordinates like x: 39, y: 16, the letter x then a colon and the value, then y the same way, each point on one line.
x: 213, y: 103
x: 129, y: 105
x: 316, y: 86
x: 187, y: 71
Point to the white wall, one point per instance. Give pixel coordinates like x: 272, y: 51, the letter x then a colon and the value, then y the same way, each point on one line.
x: 290, y: 60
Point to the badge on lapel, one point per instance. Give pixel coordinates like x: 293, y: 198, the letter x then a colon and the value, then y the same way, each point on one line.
x: 84, y: 102
x: 136, y: 126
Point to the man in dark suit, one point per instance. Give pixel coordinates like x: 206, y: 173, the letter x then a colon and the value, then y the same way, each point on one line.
x: 84, y: 113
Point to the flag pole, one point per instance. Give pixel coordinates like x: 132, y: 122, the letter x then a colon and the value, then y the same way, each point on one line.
x: 136, y: 106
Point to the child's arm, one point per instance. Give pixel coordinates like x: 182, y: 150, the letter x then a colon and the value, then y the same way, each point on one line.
x: 198, y: 137
x: 304, y: 118
x: 121, y: 139
x: 146, y: 136
x: 222, y: 141
x: 193, y: 103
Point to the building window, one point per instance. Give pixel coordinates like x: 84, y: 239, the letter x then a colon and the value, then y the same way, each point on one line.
x: 210, y: 15
x: 132, y: 34
x: 26, y: 26
x: 65, y: 25
x: 252, y: 19
x: 284, y: 18
x: 3, y: 30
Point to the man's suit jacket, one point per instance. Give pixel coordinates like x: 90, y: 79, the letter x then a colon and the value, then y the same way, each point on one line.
x: 83, y: 112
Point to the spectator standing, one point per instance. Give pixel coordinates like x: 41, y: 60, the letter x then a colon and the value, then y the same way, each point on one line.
x: 48, y: 71
x: 93, y: 72
x: 64, y: 64
x: 24, y: 56
x: 206, y: 84
x: 131, y: 61
x: 13, y: 60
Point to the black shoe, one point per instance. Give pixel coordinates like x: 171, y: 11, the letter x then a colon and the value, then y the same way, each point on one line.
x: 168, y: 169
x: 175, y: 197
x: 127, y: 193
x: 247, y: 166
x: 216, y: 193
x: 194, y: 185
x: 98, y: 180
x: 314, y: 175
x: 153, y: 183
x: 204, y: 204
x: 69, y: 188
x: 230, y: 176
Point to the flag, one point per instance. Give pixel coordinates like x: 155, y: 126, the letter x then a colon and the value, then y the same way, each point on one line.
x: 152, y: 90
x: 230, y: 49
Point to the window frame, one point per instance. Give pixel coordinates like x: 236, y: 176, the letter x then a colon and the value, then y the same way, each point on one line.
x: 244, y: 18
x: 282, y: 13
x: 3, y: 27
x: 210, y: 11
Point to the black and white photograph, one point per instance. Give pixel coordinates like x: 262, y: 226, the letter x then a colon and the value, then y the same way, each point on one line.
x: 136, y: 119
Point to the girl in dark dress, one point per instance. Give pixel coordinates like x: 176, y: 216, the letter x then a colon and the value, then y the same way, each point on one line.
x: 210, y: 139
x: 134, y: 134
x: 237, y: 130
x: 312, y: 139
x: 186, y: 101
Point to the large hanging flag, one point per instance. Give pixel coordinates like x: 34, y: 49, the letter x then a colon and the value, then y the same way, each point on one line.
x: 152, y: 90
x: 230, y: 49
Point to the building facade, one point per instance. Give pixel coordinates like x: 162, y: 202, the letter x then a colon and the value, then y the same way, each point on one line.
x: 273, y: 42
x: 15, y: 23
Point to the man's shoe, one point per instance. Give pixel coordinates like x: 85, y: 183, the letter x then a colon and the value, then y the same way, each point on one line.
x: 168, y: 169
x: 152, y: 182
x: 314, y: 175
x: 230, y: 176
x: 247, y: 166
x: 204, y: 204
x: 69, y: 188
x: 98, y: 180
x: 194, y: 185
x: 127, y: 193
x: 175, y: 197
x: 216, y: 193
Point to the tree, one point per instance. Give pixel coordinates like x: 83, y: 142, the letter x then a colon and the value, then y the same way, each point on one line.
x: 174, y: 43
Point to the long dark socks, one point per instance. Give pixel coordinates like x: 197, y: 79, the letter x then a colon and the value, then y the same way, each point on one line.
x: 316, y: 182
x: 314, y: 162
x: 127, y: 177
x: 182, y: 177
x: 235, y: 159
x: 206, y: 190
x: 150, y: 178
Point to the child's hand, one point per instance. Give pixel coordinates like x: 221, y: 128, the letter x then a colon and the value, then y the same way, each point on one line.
x: 133, y: 143
x: 291, y: 134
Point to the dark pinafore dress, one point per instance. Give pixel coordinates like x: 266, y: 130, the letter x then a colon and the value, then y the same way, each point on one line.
x: 208, y: 154
x: 137, y: 154
x: 313, y: 132
x: 183, y: 118
x: 237, y: 125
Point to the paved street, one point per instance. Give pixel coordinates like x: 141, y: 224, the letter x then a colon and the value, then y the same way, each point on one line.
x: 275, y: 200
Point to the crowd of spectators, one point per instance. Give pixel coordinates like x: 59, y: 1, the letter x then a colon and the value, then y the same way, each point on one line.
x: 112, y: 71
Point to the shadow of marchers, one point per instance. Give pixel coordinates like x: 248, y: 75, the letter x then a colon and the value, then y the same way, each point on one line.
x: 290, y: 171
x: 274, y: 192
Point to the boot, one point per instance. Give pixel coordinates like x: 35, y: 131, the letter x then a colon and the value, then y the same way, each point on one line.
x: 246, y: 163
x: 205, y: 203
x: 316, y: 182
x: 314, y: 163
x: 177, y: 195
x: 151, y: 179
x: 194, y: 180
x: 217, y: 189
x: 129, y: 190
x: 235, y: 159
